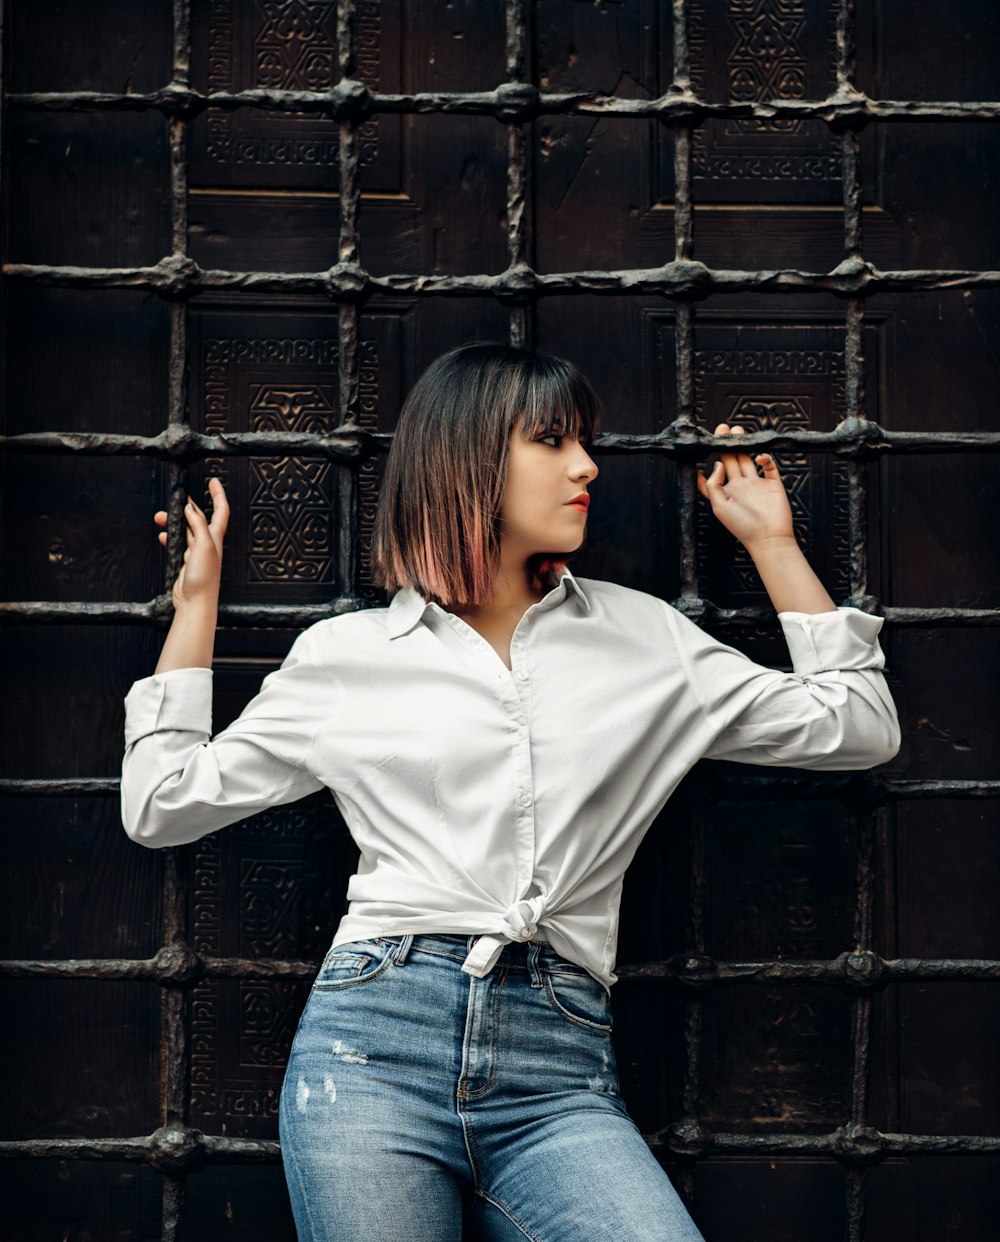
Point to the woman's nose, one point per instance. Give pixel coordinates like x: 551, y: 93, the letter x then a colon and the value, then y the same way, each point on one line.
x: 585, y: 468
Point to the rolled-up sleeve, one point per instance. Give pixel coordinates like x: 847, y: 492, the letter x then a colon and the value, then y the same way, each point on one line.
x: 833, y: 711
x: 178, y: 783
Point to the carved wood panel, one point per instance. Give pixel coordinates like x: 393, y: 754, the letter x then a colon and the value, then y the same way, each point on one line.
x: 289, y: 45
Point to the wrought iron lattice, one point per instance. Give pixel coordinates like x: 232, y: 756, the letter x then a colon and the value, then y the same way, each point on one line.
x: 175, y: 1148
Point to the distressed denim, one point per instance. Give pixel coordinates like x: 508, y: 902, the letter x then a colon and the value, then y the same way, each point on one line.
x: 423, y: 1104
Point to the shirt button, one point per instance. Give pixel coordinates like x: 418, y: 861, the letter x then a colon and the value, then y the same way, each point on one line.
x: 525, y: 799
x: 527, y: 933
x: 522, y: 675
x: 521, y: 734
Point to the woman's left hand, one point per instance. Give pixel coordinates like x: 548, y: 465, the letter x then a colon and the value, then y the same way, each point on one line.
x: 754, y: 509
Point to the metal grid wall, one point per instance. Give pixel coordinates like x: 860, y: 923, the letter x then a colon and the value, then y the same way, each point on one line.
x: 175, y: 1148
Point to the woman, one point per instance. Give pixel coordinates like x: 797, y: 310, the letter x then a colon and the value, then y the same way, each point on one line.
x: 498, y: 739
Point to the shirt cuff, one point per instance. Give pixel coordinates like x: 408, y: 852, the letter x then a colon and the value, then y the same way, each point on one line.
x: 178, y: 699
x: 822, y: 642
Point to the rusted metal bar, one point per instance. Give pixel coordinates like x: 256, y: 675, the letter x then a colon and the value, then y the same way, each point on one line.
x: 856, y: 970
x: 860, y: 788
x: 348, y: 310
x: 870, y: 969
x: 687, y: 502
x: 179, y: 277
x: 681, y: 439
x: 170, y: 1149
x: 178, y: 1147
x: 684, y: 344
x: 852, y: 1145
x: 521, y: 318
x: 175, y: 1003
x: 181, y: 443
x: 522, y: 102
x: 159, y: 613
x: 861, y: 972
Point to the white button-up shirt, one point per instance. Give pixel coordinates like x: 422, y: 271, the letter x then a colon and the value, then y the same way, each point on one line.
x: 504, y: 803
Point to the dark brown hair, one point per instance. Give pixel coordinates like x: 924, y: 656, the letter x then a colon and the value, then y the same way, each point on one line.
x: 438, y: 523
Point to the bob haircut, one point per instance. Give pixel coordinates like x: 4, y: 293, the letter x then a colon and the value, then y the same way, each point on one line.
x: 437, y: 529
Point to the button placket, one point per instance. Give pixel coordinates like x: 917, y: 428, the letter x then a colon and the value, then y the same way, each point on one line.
x: 525, y: 787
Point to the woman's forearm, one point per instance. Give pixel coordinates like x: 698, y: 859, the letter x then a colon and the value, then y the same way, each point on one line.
x: 190, y: 641
x: 788, y: 577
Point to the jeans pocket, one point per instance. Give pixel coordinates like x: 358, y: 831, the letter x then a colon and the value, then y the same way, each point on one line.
x: 354, y: 963
x: 579, y: 998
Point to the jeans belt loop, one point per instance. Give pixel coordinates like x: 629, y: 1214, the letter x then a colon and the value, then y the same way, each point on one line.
x: 404, y: 948
x: 534, y: 949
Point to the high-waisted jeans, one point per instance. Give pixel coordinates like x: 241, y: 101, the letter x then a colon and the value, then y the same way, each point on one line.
x: 421, y: 1104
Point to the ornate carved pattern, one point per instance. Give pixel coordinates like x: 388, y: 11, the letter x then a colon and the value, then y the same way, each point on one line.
x: 287, y: 503
x: 270, y: 916
x: 291, y: 504
x: 215, y: 414
x: 778, y: 390
x: 368, y: 473
x: 293, y: 47
x: 368, y: 35
x: 766, y: 55
x: 248, y: 901
x: 767, y: 60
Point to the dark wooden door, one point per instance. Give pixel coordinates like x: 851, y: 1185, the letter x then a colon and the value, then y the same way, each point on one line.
x: 807, y: 1017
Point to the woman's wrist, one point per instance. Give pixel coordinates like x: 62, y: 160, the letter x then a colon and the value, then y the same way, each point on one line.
x: 765, y: 544
x: 788, y: 577
x: 197, y: 610
x: 190, y: 641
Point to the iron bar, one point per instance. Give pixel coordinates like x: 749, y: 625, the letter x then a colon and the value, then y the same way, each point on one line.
x: 687, y: 502
x: 175, y: 1072
x: 862, y: 972
x: 863, y: 788
x: 179, y: 277
x: 159, y: 612
x: 521, y: 326
x: 853, y: 1145
x: 684, y: 348
x: 847, y: 1144
x: 348, y: 309
x: 681, y: 439
x: 853, y: 788
x: 846, y: 107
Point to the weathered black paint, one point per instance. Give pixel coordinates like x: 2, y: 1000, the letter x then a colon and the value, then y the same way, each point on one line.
x: 176, y: 1149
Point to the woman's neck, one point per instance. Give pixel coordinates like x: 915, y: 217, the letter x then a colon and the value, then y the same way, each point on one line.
x: 512, y: 596
x: 497, y: 620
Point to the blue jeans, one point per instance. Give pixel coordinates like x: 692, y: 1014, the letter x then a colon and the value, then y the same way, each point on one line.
x: 421, y: 1104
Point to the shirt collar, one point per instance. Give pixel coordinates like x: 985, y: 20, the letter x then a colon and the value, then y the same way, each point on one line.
x: 408, y: 606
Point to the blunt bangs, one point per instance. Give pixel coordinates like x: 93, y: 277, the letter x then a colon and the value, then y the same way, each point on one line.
x: 437, y: 528
x: 558, y: 400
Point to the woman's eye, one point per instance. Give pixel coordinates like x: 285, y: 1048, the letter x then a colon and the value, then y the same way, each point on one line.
x: 552, y: 439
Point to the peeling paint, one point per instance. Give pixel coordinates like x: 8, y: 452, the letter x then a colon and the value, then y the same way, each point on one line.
x: 302, y: 1095
x: 348, y: 1054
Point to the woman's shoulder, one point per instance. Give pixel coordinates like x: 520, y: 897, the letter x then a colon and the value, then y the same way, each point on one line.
x: 626, y: 600
x: 349, y: 627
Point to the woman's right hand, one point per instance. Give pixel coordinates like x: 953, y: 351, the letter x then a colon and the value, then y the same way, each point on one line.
x: 198, y: 582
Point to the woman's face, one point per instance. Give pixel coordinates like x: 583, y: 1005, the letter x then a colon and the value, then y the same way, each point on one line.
x: 545, y: 475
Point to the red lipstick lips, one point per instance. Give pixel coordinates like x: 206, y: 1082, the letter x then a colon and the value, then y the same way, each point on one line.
x: 580, y: 502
